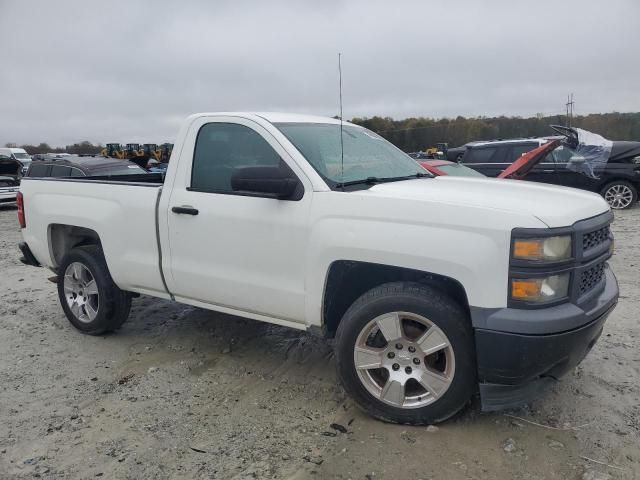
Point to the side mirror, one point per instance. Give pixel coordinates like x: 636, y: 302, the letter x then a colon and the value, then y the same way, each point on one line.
x: 277, y: 182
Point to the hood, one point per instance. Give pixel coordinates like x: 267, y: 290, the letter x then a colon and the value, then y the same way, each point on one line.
x: 519, y: 169
x: 555, y: 206
x: 623, y: 151
x: 10, y: 167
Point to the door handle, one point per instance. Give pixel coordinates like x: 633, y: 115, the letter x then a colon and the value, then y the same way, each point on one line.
x: 185, y: 210
x: 548, y: 171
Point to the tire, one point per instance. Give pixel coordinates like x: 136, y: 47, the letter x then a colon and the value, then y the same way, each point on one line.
x: 90, y: 300
x: 620, y: 194
x: 413, y: 306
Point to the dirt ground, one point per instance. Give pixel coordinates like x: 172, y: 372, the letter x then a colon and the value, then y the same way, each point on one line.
x: 180, y: 392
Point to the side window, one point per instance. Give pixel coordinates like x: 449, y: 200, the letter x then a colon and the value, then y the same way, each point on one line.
x: 60, y: 171
x: 76, y: 172
x: 563, y: 154
x: 221, y: 148
x: 483, y: 155
x: 38, y: 170
x: 517, y: 151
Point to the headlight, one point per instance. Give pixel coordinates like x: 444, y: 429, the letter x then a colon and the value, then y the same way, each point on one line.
x: 540, y: 290
x: 548, y: 249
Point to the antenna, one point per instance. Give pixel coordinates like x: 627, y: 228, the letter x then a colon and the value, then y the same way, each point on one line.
x: 341, y: 137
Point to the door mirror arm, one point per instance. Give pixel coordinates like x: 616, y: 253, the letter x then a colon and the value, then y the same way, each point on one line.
x: 272, y: 182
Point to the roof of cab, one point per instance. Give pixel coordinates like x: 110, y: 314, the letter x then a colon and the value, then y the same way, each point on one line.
x: 277, y: 117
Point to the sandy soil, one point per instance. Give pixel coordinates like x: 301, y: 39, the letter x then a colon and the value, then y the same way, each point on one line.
x: 182, y: 392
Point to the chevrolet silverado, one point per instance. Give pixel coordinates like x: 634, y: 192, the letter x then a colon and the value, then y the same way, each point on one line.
x: 433, y: 288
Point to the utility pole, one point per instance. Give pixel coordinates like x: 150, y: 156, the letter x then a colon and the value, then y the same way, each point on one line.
x: 569, y: 106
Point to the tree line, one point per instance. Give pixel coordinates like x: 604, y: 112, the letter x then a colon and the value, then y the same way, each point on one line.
x: 85, y: 147
x: 414, y: 134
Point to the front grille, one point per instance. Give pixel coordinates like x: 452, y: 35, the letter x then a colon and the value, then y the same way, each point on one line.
x: 593, y: 239
x: 590, y: 277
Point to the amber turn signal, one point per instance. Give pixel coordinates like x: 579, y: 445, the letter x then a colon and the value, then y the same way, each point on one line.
x: 525, y: 289
x: 527, y: 248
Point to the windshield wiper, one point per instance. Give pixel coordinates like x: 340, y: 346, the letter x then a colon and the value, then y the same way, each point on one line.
x: 374, y: 180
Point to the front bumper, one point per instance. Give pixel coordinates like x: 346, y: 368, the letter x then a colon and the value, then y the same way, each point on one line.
x: 513, y: 366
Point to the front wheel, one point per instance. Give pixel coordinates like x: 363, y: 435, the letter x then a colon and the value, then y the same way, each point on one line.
x: 90, y: 299
x: 620, y: 194
x: 405, y: 353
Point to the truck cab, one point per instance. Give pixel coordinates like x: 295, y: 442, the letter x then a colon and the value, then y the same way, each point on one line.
x: 433, y: 288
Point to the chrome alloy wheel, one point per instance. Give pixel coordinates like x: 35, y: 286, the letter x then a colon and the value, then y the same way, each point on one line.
x: 618, y: 196
x: 81, y: 292
x: 404, y: 360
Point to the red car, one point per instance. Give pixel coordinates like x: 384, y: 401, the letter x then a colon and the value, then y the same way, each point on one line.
x: 517, y: 170
x: 444, y: 167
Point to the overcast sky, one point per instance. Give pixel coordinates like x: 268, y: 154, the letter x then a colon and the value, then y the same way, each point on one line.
x: 131, y: 71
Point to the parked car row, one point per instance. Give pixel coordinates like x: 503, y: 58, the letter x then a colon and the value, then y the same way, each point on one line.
x: 10, y: 173
x: 616, y: 176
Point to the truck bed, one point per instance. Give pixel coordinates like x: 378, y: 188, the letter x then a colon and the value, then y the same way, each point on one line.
x: 121, y: 210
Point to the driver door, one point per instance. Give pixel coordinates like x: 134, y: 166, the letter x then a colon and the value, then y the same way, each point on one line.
x: 231, y: 250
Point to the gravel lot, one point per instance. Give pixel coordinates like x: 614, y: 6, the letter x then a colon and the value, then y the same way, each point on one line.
x: 183, y: 392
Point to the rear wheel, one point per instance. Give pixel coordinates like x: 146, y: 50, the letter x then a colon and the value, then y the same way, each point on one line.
x: 405, y: 353
x: 620, y: 194
x: 90, y: 300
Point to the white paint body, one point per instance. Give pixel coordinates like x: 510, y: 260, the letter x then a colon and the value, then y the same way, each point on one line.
x: 268, y: 259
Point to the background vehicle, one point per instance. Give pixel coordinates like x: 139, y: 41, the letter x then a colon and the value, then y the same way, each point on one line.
x: 154, y: 166
x: 439, y: 152
x: 139, y: 154
x: 444, y: 167
x: 18, y: 154
x: 74, y: 166
x: 617, y: 181
x: 10, y: 173
x: 433, y: 287
x: 455, y: 154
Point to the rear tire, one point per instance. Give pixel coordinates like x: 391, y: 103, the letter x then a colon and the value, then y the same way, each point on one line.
x: 620, y: 194
x: 90, y: 299
x: 423, y: 371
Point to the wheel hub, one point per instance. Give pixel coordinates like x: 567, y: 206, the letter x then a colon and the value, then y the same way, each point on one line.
x: 414, y: 368
x: 619, y: 196
x: 81, y: 292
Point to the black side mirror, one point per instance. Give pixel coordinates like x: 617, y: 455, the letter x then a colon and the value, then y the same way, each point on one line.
x: 276, y: 182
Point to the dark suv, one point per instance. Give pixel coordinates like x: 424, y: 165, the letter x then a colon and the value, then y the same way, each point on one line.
x: 73, y: 166
x: 618, y: 178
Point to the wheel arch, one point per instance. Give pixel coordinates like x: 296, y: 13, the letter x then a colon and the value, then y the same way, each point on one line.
x: 63, y: 238
x: 347, y: 280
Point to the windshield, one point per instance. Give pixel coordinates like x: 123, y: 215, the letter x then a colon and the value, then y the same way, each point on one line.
x: 22, y: 156
x: 459, y: 171
x: 366, y: 154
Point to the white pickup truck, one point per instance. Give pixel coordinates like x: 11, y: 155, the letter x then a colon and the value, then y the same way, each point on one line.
x: 434, y: 288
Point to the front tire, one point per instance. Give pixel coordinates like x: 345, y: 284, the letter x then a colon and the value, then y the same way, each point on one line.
x: 90, y: 299
x: 620, y: 194
x: 405, y: 353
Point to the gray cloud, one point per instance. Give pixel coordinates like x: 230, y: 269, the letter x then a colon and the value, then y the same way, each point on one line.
x: 130, y: 71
